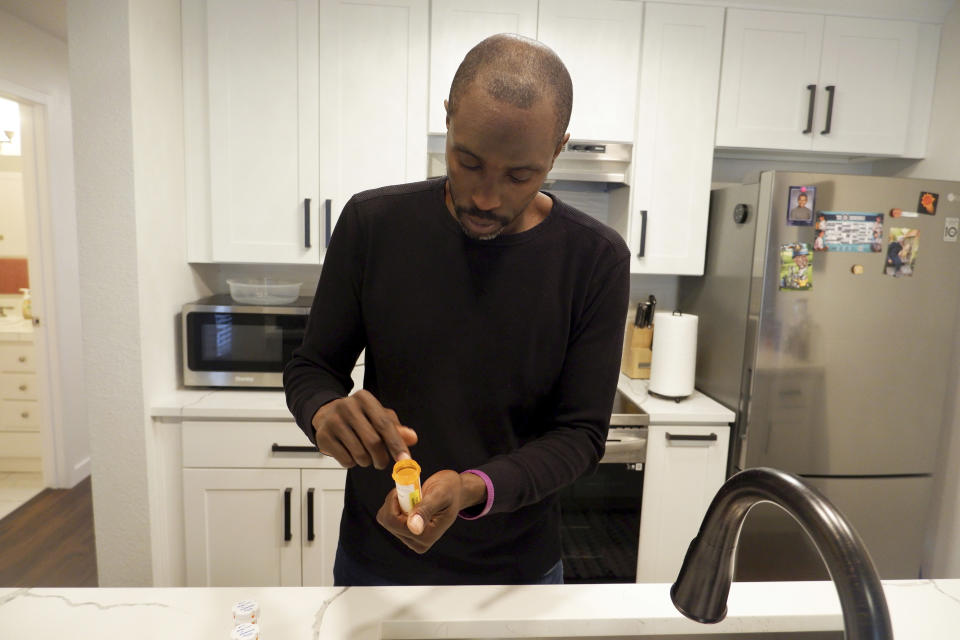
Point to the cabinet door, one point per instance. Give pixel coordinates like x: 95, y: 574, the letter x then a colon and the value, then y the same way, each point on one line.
x: 600, y: 44
x: 324, y: 489
x: 871, y: 65
x: 236, y: 527
x: 373, y: 77
x: 456, y: 26
x: 769, y: 60
x: 262, y: 97
x: 673, y: 154
x: 681, y: 476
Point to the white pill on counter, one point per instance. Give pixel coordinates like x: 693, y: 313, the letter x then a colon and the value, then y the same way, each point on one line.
x: 245, y: 631
x: 246, y: 611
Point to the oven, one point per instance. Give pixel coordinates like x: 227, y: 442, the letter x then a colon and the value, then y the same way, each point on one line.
x: 225, y: 344
x: 600, y: 512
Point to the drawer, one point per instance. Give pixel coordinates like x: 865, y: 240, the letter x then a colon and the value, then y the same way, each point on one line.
x: 16, y: 444
x: 250, y: 445
x: 18, y: 386
x: 19, y: 415
x: 16, y: 356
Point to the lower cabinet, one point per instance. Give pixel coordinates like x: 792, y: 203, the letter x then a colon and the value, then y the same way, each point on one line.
x: 261, y: 527
x: 685, y: 467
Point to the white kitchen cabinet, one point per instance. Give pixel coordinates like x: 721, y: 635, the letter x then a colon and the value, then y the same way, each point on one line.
x: 373, y: 78
x: 455, y: 27
x: 685, y: 467
x: 806, y: 82
x: 675, y: 124
x: 599, y: 42
x: 251, y: 96
x: 249, y: 491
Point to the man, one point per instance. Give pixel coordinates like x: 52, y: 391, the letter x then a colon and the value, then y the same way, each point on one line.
x: 492, y: 315
x: 801, y: 213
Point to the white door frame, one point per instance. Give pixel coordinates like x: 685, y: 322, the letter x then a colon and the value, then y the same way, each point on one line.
x: 36, y: 204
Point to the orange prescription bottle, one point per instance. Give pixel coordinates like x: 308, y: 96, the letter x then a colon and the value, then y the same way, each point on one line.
x: 406, y: 475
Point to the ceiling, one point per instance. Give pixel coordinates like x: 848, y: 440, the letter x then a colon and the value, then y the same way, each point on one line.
x: 47, y: 15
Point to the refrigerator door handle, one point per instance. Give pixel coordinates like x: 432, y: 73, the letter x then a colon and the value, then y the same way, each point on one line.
x: 812, y: 88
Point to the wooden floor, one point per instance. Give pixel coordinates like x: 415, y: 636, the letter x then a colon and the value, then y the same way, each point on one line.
x: 48, y: 542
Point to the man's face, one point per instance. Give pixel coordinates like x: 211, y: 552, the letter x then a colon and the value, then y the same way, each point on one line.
x: 802, y: 200
x: 497, y: 158
x: 800, y: 261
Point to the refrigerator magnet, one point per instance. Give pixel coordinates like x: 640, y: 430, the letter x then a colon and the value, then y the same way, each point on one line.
x: 928, y: 203
x: 849, y: 231
x: 796, y: 266
x: 902, y: 248
x: 801, y: 205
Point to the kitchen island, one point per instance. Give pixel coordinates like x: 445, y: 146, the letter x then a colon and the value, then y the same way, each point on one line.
x: 919, y: 609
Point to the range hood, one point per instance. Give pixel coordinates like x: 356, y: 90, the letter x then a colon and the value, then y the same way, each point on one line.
x: 580, y: 160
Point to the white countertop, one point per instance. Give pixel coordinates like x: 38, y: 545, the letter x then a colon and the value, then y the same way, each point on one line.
x: 15, y: 328
x: 919, y: 610
x: 239, y: 404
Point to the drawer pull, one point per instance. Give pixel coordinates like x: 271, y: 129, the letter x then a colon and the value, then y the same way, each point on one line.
x: 22, y: 359
x: 287, y: 534
x: 23, y: 387
x: 692, y: 438
x: 25, y: 415
x: 311, y: 536
x: 292, y: 448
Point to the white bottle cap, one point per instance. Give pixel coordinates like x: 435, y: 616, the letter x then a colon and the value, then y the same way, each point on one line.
x: 246, y: 611
x: 246, y: 631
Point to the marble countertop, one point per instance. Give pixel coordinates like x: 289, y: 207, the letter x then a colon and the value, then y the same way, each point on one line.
x: 239, y: 404
x: 919, y: 610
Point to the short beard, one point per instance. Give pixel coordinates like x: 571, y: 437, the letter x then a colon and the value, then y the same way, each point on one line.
x: 483, y: 215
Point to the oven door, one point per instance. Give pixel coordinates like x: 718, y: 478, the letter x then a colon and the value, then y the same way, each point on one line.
x: 239, y: 349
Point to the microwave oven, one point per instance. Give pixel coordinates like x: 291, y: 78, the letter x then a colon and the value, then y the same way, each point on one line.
x: 226, y: 344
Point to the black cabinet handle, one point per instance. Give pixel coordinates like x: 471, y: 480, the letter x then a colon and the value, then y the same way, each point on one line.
x: 643, y: 233
x: 292, y: 448
x: 310, y: 534
x: 306, y: 223
x: 830, y: 89
x: 326, y: 218
x: 692, y: 438
x: 812, y: 88
x: 287, y: 534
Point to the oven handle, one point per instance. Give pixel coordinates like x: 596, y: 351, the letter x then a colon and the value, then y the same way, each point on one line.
x: 691, y: 438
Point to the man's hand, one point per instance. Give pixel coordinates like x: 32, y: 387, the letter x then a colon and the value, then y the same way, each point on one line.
x: 358, y: 430
x: 445, y: 494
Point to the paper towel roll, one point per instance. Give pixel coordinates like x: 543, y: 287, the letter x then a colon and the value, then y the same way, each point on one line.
x: 674, y: 361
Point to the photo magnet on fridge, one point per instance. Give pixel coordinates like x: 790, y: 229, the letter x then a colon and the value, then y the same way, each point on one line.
x: 801, y: 205
x: 796, y: 266
x: 928, y: 203
x: 904, y: 244
x: 848, y: 231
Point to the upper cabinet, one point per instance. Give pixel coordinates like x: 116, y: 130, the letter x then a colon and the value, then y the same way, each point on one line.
x: 598, y: 41
x: 673, y: 154
x: 290, y: 107
x: 807, y: 82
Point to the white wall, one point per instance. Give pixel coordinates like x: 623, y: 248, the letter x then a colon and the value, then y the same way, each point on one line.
x: 37, y: 61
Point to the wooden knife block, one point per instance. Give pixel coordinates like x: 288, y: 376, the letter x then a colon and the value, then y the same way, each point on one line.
x: 636, y: 351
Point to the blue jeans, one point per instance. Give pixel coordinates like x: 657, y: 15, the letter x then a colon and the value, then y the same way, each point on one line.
x: 348, y: 572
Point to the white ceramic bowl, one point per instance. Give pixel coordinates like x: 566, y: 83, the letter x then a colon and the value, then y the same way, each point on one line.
x: 264, y: 291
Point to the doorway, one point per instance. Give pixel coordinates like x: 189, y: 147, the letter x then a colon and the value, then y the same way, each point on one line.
x: 25, y: 434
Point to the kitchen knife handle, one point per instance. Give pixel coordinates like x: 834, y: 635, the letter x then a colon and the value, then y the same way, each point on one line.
x: 830, y: 89
x: 691, y: 438
x: 306, y: 223
x: 292, y: 448
x: 310, y: 534
x: 287, y: 534
x: 643, y: 233
x: 812, y: 88
x: 326, y: 219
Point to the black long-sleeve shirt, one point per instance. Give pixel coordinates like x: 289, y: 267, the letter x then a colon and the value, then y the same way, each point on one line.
x: 502, y: 354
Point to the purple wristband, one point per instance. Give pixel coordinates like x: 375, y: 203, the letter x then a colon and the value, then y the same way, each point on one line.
x: 465, y: 514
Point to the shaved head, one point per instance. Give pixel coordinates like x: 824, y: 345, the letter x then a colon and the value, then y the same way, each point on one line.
x: 517, y: 71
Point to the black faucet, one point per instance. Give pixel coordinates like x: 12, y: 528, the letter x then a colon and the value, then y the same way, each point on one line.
x: 701, y: 589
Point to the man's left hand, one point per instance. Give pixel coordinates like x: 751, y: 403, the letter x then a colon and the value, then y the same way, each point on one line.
x: 445, y: 494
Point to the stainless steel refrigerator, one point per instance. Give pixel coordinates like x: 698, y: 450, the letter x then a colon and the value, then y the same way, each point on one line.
x: 837, y: 369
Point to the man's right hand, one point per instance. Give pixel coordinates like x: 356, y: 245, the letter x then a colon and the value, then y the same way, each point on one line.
x: 358, y: 430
